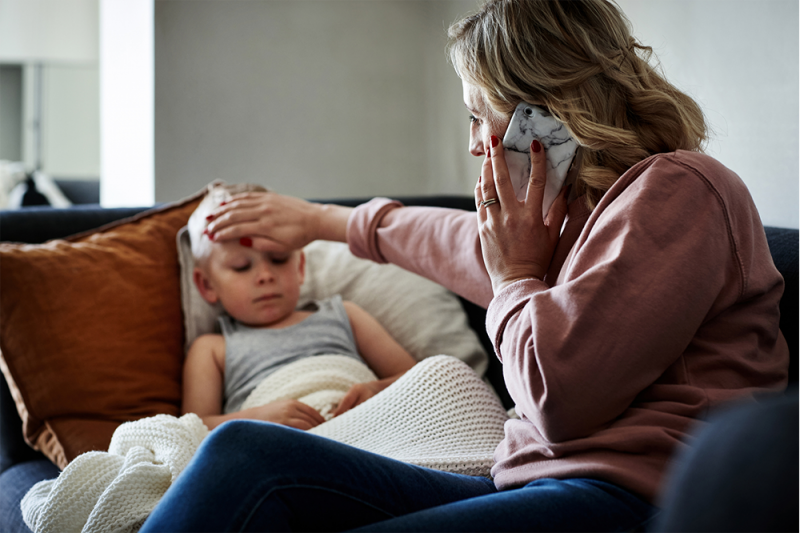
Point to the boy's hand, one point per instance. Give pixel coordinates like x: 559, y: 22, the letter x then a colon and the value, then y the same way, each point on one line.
x: 359, y: 393
x: 290, y: 413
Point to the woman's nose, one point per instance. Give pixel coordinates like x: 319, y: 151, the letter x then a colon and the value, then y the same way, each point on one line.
x: 476, y: 145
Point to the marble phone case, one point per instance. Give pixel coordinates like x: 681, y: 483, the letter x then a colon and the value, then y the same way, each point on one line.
x: 531, y: 122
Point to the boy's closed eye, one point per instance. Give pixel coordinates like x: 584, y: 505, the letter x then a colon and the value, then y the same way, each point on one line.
x: 278, y: 259
x: 241, y: 267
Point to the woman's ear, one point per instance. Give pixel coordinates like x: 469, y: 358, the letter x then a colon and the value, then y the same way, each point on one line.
x: 203, y: 285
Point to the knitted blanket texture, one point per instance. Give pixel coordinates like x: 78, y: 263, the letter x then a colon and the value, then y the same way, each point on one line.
x: 440, y: 415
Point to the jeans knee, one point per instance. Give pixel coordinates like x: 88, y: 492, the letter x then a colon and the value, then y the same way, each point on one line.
x: 229, y: 439
x: 250, y: 439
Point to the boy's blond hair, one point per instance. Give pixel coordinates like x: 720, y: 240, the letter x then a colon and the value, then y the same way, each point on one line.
x: 217, y: 193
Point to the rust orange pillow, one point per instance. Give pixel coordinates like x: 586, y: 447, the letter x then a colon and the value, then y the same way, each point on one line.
x: 91, y: 331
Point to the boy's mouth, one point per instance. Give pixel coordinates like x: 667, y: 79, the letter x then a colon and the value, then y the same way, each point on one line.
x: 265, y: 298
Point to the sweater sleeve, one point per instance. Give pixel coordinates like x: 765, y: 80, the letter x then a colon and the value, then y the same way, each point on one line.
x: 654, y: 262
x: 438, y: 243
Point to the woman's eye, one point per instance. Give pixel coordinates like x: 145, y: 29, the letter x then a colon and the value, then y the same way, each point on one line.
x: 474, y: 120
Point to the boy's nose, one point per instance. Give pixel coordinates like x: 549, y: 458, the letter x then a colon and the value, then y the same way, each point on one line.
x: 265, y: 273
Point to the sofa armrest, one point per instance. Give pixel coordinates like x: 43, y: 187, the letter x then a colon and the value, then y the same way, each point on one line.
x: 783, y: 245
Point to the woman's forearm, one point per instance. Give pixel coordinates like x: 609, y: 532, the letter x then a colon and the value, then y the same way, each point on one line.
x: 437, y: 243
x: 332, y: 222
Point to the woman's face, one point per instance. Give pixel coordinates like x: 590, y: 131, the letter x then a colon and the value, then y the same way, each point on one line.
x: 483, y: 121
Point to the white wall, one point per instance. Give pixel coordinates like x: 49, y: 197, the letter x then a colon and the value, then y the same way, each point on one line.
x: 739, y: 60
x: 71, y: 121
x: 126, y: 103
x: 312, y: 98
x: 334, y: 98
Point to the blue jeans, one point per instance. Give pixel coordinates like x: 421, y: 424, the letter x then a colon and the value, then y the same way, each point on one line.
x: 14, y: 484
x: 256, y: 476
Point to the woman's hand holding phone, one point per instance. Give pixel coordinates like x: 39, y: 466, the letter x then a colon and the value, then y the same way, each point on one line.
x: 517, y: 242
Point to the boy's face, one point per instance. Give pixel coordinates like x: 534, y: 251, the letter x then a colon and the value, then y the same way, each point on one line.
x: 256, y: 288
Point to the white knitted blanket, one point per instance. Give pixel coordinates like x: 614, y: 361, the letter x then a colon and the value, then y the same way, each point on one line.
x: 116, y: 490
x: 320, y: 381
x: 440, y: 414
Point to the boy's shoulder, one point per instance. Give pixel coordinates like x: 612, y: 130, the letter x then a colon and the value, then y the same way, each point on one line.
x: 208, y: 341
x: 352, y: 307
x: 348, y: 304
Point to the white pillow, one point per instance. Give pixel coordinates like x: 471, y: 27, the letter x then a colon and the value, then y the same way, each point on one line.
x: 424, y: 317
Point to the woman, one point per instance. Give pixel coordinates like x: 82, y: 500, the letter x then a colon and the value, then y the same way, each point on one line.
x: 644, y: 298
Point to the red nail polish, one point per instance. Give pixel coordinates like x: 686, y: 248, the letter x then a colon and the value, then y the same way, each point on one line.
x: 246, y: 241
x: 495, y: 140
x: 536, y: 146
x: 210, y: 236
x: 210, y: 218
x: 222, y: 203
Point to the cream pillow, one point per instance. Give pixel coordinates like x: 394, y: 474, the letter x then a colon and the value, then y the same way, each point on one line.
x: 424, y: 317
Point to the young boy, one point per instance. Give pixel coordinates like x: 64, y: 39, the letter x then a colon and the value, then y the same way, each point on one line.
x: 262, y: 331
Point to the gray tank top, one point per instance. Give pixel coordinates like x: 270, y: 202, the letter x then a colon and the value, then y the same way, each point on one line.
x: 251, y: 354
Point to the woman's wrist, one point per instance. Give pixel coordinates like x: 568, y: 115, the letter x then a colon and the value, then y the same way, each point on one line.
x: 332, y: 222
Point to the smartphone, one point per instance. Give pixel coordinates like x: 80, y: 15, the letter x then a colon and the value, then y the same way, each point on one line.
x: 530, y: 122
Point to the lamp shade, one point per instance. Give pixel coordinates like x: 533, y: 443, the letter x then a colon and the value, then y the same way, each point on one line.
x: 49, y: 31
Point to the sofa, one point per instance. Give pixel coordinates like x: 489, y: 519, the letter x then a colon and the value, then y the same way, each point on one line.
x: 21, y: 466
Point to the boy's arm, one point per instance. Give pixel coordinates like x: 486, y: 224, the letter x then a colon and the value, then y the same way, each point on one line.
x: 380, y: 351
x: 203, y: 387
x: 203, y: 375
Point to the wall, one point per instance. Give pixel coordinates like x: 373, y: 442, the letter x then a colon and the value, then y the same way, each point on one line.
x: 312, y: 98
x: 71, y: 121
x: 739, y: 60
x: 11, y: 112
x: 127, y: 102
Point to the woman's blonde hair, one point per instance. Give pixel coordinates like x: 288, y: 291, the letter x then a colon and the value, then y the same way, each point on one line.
x: 578, y: 58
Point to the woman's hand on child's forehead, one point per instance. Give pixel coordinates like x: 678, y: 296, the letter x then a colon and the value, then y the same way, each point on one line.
x: 274, y: 222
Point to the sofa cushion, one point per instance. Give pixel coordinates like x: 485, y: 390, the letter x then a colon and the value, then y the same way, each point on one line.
x: 91, y: 332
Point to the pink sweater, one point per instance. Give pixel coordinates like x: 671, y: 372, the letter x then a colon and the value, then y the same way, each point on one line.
x: 659, y: 304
